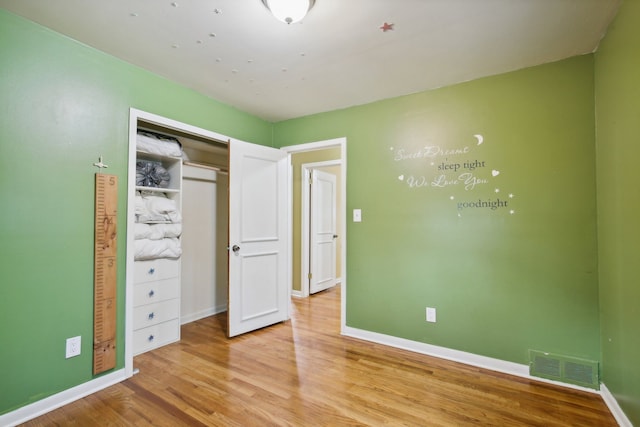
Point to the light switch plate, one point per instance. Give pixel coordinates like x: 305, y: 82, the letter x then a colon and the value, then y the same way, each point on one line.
x: 431, y: 314
x: 357, y: 215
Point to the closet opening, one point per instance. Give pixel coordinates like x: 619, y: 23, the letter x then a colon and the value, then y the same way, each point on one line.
x: 221, y: 193
x: 187, y: 280
x: 203, y: 270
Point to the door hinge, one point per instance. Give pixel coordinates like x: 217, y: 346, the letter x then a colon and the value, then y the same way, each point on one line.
x: 310, y: 275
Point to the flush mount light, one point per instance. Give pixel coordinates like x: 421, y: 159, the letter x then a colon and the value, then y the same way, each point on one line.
x: 289, y: 11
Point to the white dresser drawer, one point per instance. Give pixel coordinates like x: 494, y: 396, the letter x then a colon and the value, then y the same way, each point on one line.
x: 151, y: 314
x: 159, y: 290
x: 155, y: 336
x: 157, y: 269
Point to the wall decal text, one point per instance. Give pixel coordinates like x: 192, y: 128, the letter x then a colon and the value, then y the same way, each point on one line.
x: 450, y: 168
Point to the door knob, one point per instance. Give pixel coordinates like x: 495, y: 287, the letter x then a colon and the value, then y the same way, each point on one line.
x: 335, y: 236
x: 235, y: 248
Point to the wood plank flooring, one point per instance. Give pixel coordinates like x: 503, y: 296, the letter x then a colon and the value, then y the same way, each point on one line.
x: 303, y: 373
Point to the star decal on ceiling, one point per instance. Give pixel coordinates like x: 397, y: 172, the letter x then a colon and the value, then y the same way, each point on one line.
x: 386, y: 27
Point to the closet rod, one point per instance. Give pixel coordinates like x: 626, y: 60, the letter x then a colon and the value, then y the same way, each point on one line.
x: 205, y: 166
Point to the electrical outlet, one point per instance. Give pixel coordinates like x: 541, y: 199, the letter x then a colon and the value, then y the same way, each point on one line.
x: 431, y: 314
x: 73, y: 346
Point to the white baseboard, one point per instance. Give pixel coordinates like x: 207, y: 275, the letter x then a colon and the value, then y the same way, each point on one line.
x: 65, y: 397
x: 484, y: 362
x: 192, y: 317
x: 613, y: 406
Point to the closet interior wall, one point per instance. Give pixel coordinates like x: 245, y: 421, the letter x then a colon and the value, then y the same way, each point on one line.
x: 204, y: 234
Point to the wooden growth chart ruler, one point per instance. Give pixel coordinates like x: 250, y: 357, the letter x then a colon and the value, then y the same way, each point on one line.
x: 105, y: 278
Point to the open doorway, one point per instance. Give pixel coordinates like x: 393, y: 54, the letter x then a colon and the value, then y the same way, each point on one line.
x: 321, y: 153
x: 321, y: 265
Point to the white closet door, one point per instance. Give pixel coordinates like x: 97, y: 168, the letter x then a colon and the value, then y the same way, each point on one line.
x: 258, y: 233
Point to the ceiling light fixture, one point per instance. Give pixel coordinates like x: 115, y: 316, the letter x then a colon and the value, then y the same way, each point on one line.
x: 289, y: 11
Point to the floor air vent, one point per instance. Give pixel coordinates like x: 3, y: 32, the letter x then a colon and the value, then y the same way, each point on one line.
x: 564, y: 368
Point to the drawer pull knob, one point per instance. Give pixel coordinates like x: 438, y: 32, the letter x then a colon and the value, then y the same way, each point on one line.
x: 152, y: 270
x: 150, y: 338
x: 151, y: 293
x: 151, y: 315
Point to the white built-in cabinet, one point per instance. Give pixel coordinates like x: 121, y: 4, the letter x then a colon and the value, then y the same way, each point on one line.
x: 156, y: 313
x: 156, y: 293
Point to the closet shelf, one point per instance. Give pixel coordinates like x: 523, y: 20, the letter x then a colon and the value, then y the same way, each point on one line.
x: 157, y: 189
x: 145, y: 155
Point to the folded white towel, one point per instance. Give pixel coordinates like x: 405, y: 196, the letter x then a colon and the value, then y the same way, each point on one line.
x: 156, y: 231
x: 161, y: 147
x: 145, y: 249
x: 152, y: 207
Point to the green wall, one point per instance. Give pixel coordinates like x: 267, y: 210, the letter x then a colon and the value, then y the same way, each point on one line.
x: 618, y: 127
x: 522, y: 276
x: 62, y: 105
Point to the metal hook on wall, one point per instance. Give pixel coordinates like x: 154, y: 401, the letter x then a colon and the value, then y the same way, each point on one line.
x: 100, y: 164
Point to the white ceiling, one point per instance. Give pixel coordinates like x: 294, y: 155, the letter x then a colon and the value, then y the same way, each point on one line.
x: 235, y: 52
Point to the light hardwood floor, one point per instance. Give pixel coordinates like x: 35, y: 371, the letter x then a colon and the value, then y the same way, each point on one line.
x: 303, y: 373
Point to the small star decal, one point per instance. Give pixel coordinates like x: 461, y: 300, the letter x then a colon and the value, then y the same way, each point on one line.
x: 512, y: 211
x: 511, y: 196
x: 386, y: 27
x: 497, y: 190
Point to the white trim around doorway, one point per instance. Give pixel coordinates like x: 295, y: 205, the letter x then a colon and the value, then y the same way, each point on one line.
x: 320, y: 145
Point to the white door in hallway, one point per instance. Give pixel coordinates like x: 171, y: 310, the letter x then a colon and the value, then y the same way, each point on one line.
x: 258, y: 233
x: 323, y: 231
